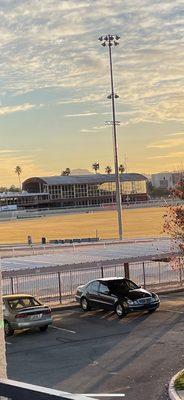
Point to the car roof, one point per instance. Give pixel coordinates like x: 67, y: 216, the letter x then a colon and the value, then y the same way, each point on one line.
x: 16, y: 295
x: 112, y: 278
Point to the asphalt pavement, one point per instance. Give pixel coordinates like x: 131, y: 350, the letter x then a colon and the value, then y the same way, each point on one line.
x: 97, y: 353
x: 135, y: 249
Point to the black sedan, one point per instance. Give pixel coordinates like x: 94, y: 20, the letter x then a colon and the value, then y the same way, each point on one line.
x: 118, y: 294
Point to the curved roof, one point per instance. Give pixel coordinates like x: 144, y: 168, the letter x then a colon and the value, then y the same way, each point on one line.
x: 82, y: 179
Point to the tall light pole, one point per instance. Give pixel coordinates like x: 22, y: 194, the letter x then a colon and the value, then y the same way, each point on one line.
x: 112, y: 40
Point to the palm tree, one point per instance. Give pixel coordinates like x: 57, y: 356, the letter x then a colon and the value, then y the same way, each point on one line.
x: 18, y: 171
x: 121, y: 168
x: 108, y: 170
x: 96, y: 166
x: 66, y: 172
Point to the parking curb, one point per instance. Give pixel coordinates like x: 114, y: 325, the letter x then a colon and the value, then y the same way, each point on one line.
x: 173, y: 394
x: 73, y: 306
x: 65, y: 307
x: 168, y: 291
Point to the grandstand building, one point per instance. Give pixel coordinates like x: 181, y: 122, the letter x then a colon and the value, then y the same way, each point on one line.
x: 12, y: 201
x: 85, y: 190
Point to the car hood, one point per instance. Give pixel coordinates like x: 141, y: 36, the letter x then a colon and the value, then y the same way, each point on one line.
x: 137, y: 294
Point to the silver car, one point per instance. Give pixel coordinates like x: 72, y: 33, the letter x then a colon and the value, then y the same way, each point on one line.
x: 23, y: 311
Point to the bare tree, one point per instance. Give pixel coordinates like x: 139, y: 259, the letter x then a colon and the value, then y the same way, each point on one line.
x: 174, y: 218
x: 178, y: 191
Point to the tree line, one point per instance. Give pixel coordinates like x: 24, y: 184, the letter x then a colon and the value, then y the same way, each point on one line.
x: 96, y: 167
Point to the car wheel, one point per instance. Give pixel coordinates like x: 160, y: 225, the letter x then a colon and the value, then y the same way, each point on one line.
x: 85, y: 304
x: 43, y: 328
x: 8, y: 330
x: 120, y: 310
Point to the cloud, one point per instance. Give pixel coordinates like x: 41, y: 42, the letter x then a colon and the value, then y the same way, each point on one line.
x: 4, y: 110
x: 177, y: 134
x: 93, y: 129
x: 81, y: 114
x: 178, y: 154
x: 7, y: 151
x: 54, y: 44
x: 169, y: 143
x: 92, y: 97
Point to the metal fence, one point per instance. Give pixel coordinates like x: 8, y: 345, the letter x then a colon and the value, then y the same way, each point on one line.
x: 61, y: 286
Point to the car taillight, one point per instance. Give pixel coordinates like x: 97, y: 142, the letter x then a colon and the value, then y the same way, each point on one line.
x: 21, y: 315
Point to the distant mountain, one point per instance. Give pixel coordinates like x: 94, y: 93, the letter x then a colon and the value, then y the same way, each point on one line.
x: 81, y: 172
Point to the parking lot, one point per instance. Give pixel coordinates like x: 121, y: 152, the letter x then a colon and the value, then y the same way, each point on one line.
x: 96, y: 353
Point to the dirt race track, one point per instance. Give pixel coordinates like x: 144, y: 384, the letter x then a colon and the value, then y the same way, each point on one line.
x: 142, y: 222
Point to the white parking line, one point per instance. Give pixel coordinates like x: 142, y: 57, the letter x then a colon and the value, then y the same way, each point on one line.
x: 61, y: 329
x: 175, y: 311
x: 104, y: 394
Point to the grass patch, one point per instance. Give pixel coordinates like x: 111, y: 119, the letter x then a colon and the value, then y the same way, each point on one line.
x: 140, y: 222
x: 179, y: 382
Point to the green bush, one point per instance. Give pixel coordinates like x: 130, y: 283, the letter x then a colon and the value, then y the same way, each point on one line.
x: 179, y: 382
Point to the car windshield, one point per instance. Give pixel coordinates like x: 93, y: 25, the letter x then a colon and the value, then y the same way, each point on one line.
x: 22, y: 302
x: 121, y: 286
x: 131, y: 285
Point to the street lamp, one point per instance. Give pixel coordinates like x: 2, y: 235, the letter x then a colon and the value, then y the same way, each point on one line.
x: 112, y: 40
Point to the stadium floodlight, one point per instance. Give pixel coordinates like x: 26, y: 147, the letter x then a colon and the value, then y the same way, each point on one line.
x: 115, y: 96
x: 112, y: 40
x: 111, y: 123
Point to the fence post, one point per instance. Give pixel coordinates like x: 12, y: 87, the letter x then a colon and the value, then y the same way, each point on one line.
x: 59, y: 286
x: 127, y: 270
x: 180, y: 271
x: 17, y: 287
x: 144, y: 275
x: 12, y: 285
x: 159, y: 280
x: 71, y: 283
x: 102, y: 272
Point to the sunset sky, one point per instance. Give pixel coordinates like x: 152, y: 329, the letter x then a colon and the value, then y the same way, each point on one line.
x: 54, y: 79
